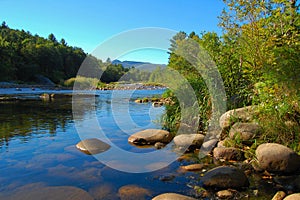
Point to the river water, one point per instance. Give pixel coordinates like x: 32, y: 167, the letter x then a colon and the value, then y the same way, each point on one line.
x: 38, y: 138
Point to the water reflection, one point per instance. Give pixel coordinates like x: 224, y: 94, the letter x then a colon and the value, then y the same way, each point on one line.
x: 37, y: 146
x: 32, y: 117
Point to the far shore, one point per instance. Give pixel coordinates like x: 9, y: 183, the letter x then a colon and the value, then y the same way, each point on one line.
x: 122, y: 86
x: 4, y: 85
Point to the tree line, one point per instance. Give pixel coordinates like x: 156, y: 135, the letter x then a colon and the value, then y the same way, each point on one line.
x: 23, y: 56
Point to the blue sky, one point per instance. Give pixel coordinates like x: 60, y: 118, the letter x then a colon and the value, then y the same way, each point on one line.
x: 87, y: 24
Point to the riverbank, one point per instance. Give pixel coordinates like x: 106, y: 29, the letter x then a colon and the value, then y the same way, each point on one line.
x: 112, y: 86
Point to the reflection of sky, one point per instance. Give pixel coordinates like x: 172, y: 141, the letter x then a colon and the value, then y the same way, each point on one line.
x: 53, y: 160
x: 116, y: 119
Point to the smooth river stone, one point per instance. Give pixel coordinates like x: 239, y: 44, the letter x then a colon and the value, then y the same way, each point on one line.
x: 186, y: 140
x: 295, y: 196
x: 225, y: 177
x: 193, y: 167
x: 131, y: 192
x: 92, y: 146
x: 172, y: 196
x: 150, y: 136
x: 244, y: 131
x: 277, y: 158
x: 51, y: 193
x: 244, y: 114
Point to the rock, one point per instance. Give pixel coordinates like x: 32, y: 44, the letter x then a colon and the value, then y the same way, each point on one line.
x: 244, y: 131
x: 244, y: 114
x: 228, y: 153
x: 45, y: 96
x: 185, y: 157
x: 103, y: 191
x: 277, y: 158
x: 208, y: 145
x: 167, y: 178
x: 92, y: 146
x: 159, y: 145
x: 279, y: 195
x: 145, y: 100
x: 224, y: 143
x: 225, y: 177
x: 172, y: 196
x: 189, y: 140
x: 150, y: 136
x: 132, y: 192
x: 193, y: 167
x: 225, y: 194
x: 291, y: 182
x: 138, y: 101
x: 50, y: 193
x: 157, y: 104
x: 295, y: 196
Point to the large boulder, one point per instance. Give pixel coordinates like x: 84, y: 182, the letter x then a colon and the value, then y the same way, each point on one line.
x: 172, y: 196
x: 244, y: 114
x: 277, y: 158
x: 150, y: 136
x: 228, y: 153
x: 189, y: 140
x: 244, y: 131
x: 225, y: 177
x: 92, y: 146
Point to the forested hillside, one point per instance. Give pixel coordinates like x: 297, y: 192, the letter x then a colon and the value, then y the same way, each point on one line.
x: 23, y: 56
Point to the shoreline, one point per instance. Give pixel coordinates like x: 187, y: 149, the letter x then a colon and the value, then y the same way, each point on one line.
x: 121, y: 86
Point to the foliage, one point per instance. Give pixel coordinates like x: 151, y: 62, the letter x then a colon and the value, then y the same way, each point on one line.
x: 24, y: 55
x: 82, y: 82
x: 258, y: 58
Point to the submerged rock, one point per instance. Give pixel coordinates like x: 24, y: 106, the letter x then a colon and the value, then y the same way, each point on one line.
x: 150, y: 136
x: 172, y: 196
x: 225, y: 177
x: 277, y: 158
x: 103, y: 191
x: 92, y: 146
x: 193, y: 167
x: 190, y: 141
x: 50, y: 193
x: 159, y: 145
x: 130, y: 192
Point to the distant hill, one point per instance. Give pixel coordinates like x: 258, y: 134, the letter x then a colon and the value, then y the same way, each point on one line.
x: 145, y: 66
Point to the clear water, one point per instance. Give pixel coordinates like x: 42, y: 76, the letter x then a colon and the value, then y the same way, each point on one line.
x: 38, y: 138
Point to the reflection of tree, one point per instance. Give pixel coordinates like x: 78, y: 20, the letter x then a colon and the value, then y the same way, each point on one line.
x: 22, y: 119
